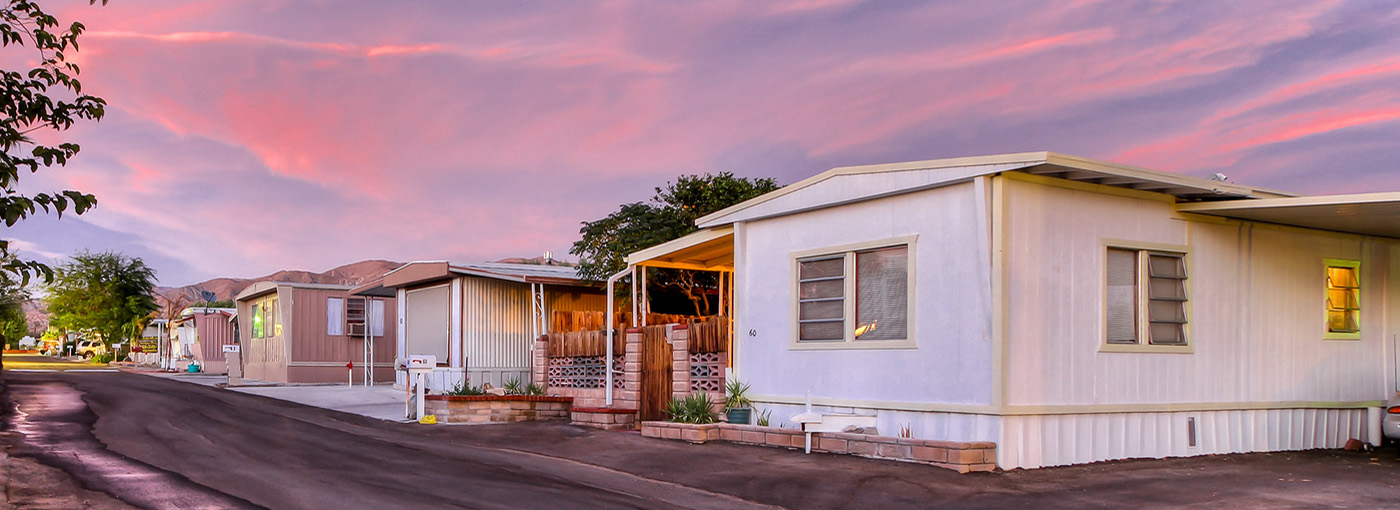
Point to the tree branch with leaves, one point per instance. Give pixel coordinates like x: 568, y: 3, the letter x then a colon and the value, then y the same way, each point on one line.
x: 46, y: 97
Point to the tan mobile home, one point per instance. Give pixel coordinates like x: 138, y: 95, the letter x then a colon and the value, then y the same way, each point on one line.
x: 199, y: 335
x: 307, y: 333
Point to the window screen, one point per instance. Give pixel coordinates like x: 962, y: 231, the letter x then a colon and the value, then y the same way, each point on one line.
x: 882, y: 294
x: 821, y: 285
x: 1122, y: 296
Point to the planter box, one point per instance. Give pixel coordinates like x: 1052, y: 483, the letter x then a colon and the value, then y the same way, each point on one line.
x: 496, y: 408
x: 606, y: 418
x: 963, y: 457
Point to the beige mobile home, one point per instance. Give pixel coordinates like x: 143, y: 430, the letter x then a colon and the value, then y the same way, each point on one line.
x: 480, y: 320
x: 1068, y: 310
x: 199, y: 336
x: 307, y: 333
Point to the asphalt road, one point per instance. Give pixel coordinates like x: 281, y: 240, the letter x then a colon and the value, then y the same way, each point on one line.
x: 126, y: 439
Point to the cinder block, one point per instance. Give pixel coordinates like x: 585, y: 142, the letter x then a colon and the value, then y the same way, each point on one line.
x: 671, y: 433
x: 753, y: 437
x: 521, y: 405
x: 989, y: 456
x: 695, y: 436
x: 827, y: 444
x: 894, y: 451
x: 929, y: 454
x: 966, y: 457
x: 778, y: 439
x: 863, y: 448
x: 651, y: 432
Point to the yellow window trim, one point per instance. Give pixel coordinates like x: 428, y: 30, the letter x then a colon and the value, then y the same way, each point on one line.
x: 1355, y: 265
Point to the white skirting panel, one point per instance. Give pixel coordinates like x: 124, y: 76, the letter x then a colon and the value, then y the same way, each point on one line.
x: 1057, y: 440
x: 922, y: 425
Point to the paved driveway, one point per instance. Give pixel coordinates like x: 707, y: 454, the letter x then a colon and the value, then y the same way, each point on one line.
x: 157, y: 443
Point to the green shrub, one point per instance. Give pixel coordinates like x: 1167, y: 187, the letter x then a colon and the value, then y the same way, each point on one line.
x: 534, y: 389
x: 103, y: 359
x: 465, y: 390
x: 513, y: 387
x: 694, y: 408
x: 763, y: 417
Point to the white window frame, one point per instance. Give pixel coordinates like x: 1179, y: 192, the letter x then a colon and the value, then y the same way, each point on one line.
x: 848, y: 251
x: 1144, y: 249
x: 1355, y: 265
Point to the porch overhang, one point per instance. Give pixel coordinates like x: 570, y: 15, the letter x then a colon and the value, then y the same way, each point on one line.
x: 706, y: 250
x: 1369, y: 214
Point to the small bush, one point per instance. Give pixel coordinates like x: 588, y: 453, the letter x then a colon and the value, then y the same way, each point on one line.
x: 694, y: 408
x: 763, y: 417
x: 534, y: 389
x: 513, y: 387
x: 465, y: 390
x: 103, y: 359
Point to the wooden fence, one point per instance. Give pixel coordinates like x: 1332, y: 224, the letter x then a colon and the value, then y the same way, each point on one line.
x: 583, y: 343
x: 569, y: 321
x: 712, y: 335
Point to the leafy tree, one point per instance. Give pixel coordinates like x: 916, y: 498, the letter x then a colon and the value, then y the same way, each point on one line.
x: 13, y: 323
x: 670, y: 214
x: 106, y: 293
x: 48, y: 99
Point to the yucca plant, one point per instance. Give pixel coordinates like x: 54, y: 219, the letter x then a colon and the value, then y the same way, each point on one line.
x: 513, y: 387
x: 534, y: 389
x: 694, y: 408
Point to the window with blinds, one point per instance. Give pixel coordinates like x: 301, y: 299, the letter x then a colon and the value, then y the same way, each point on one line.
x: 855, y: 296
x: 1145, y: 297
x: 1343, y: 299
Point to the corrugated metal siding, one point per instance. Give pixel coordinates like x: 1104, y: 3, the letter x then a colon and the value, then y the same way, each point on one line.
x: 496, y: 332
x: 1057, y: 440
x: 215, y: 331
x: 1256, y: 308
x: 573, y: 300
x: 312, y: 344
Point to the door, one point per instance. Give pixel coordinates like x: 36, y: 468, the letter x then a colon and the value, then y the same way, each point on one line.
x: 656, y: 374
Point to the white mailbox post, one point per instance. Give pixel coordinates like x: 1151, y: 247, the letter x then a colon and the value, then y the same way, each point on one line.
x: 419, y: 366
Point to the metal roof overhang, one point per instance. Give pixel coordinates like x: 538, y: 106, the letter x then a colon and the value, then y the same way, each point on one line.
x: 1371, y: 214
x: 705, y: 250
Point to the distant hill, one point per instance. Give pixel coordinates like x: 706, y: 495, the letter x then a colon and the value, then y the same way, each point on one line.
x: 219, y: 289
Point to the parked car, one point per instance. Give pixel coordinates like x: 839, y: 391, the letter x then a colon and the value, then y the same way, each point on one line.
x: 90, y: 348
x: 1390, y: 425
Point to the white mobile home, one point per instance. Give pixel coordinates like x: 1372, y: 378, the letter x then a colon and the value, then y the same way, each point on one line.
x: 1069, y: 310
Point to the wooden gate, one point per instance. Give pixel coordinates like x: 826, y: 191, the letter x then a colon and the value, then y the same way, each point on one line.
x: 656, y: 374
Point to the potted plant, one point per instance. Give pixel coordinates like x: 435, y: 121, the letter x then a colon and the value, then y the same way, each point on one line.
x: 737, y: 406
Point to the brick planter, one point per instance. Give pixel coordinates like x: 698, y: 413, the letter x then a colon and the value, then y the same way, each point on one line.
x: 606, y: 418
x: 963, y: 457
x: 496, y: 408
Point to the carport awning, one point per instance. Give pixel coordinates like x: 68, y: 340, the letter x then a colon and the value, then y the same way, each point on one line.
x: 711, y: 249
x: 1372, y: 214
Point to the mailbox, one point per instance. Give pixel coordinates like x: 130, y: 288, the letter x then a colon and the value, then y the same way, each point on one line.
x: 424, y: 362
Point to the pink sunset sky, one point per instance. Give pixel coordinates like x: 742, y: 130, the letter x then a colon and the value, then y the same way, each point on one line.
x: 244, y: 137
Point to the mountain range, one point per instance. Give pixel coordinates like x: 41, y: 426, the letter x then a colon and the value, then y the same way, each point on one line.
x: 220, y: 289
